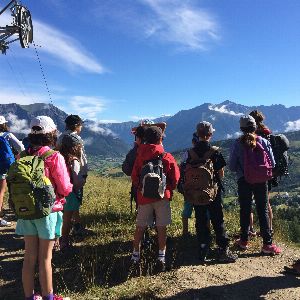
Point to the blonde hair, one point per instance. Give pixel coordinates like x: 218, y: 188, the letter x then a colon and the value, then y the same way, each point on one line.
x: 248, y: 139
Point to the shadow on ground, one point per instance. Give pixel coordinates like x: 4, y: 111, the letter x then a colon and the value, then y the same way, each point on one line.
x: 249, y: 289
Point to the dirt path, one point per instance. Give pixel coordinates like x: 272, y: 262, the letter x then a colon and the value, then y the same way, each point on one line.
x: 251, y: 277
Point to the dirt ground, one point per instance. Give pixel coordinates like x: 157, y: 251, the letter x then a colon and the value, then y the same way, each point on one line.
x: 252, y: 277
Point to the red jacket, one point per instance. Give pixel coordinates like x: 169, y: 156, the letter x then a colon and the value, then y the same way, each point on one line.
x: 171, y: 170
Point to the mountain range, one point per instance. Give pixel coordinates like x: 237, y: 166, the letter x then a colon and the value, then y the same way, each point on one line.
x: 114, y: 139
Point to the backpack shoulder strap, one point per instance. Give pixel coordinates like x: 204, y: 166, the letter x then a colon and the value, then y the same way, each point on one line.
x: 210, y: 152
x: 193, y: 154
x: 47, y: 154
x: 5, y: 134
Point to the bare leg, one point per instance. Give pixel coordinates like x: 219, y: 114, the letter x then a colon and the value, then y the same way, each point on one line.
x: 45, y: 267
x: 2, y: 192
x: 139, y: 231
x: 30, y: 259
x: 67, y: 221
x: 162, y: 237
x: 76, y: 216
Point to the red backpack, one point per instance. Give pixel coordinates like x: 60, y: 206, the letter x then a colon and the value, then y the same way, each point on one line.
x: 257, y: 164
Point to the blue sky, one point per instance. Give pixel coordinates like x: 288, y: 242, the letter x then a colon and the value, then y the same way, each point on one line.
x: 124, y: 60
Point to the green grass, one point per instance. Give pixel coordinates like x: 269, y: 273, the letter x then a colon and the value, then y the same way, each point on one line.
x: 98, y: 268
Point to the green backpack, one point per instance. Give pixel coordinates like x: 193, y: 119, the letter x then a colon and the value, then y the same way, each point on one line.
x: 31, y: 193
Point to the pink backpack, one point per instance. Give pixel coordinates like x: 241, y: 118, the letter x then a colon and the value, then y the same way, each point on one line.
x: 257, y: 164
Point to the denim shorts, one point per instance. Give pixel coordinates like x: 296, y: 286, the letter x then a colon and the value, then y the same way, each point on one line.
x: 47, y: 228
x: 72, y: 203
x: 187, y: 210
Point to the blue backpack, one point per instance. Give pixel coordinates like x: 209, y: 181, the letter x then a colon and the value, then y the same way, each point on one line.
x: 6, y: 155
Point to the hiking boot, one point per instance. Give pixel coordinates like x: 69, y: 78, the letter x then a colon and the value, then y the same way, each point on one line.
x: 134, y: 268
x: 203, y: 252
x: 160, y: 266
x: 5, y: 223
x: 270, y: 249
x: 79, y: 230
x: 243, y: 245
x: 226, y: 256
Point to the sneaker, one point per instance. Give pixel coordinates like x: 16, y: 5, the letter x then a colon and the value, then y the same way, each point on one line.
x: 252, y: 232
x: 37, y: 297
x: 57, y: 297
x: 160, y: 266
x: 226, y: 256
x: 4, y: 223
x: 243, y: 245
x: 270, y: 249
x: 203, y: 252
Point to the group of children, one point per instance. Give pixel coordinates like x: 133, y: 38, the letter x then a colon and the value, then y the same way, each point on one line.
x: 155, y: 175
x: 156, y: 210
x: 66, y: 168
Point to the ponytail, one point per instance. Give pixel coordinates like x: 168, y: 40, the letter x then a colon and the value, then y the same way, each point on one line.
x: 248, y: 139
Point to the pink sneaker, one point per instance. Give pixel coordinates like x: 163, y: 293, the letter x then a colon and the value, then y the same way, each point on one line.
x: 57, y: 297
x: 270, y: 249
x: 243, y: 245
x: 37, y: 297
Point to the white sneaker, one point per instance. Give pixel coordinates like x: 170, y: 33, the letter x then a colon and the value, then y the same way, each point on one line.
x: 4, y: 223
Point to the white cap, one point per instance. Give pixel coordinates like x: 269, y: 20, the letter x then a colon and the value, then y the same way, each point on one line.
x: 45, y: 123
x: 2, y: 120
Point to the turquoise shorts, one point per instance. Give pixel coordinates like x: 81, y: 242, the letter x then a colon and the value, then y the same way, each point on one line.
x: 47, y: 228
x: 72, y: 203
x: 187, y: 210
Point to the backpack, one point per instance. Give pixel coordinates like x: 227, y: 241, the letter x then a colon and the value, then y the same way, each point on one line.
x: 30, y: 191
x: 257, y: 164
x: 153, y: 181
x: 280, y: 145
x: 128, y: 163
x: 200, y: 184
x: 6, y: 155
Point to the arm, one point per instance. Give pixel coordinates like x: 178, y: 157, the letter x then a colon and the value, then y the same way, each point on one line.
x: 221, y: 172
x: 60, y: 175
x: 77, y: 179
x: 173, y: 173
x: 15, y: 143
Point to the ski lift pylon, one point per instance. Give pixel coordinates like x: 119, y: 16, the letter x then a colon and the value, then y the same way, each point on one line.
x: 21, y: 26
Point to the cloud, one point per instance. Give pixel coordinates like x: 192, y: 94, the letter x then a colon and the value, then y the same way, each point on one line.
x: 61, y: 46
x: 234, y: 135
x: 140, y: 118
x: 88, y: 141
x: 11, y: 96
x: 182, y: 23
x: 222, y: 109
x: 65, y: 48
x: 97, y: 127
x: 17, y: 125
x: 292, y: 125
x: 87, y: 107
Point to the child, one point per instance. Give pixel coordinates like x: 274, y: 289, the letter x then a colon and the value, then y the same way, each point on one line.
x: 213, y: 210
x: 71, y: 149
x: 74, y: 127
x: 152, y: 149
x: 40, y: 234
x: 16, y: 147
x: 249, y: 140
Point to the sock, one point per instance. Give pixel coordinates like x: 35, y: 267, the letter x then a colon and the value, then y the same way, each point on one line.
x: 162, y: 255
x: 49, y: 297
x: 135, y: 255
